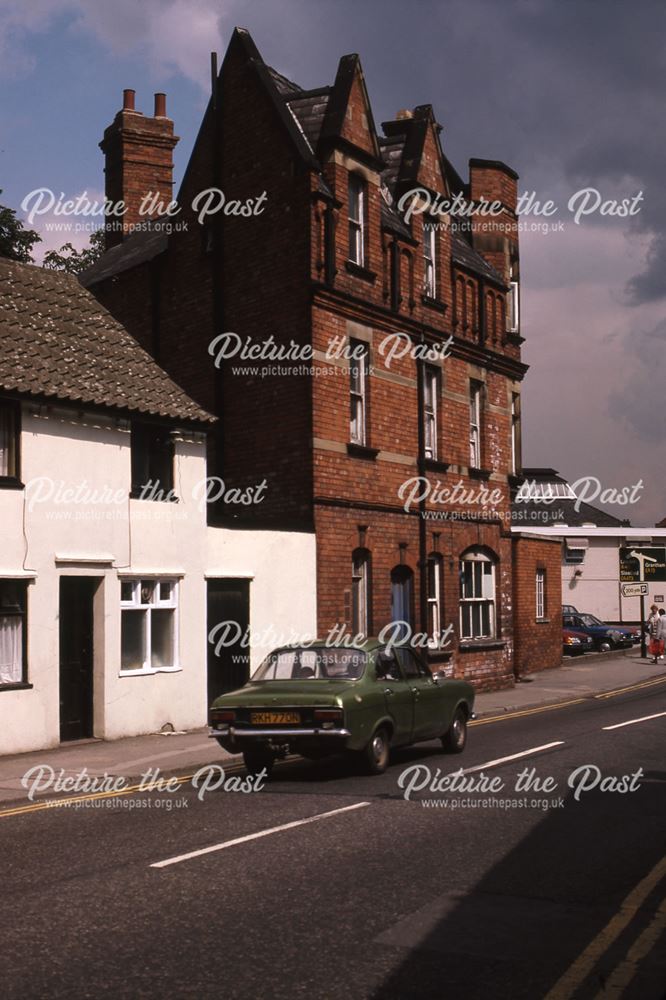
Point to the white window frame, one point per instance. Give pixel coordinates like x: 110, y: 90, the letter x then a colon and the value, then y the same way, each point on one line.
x: 515, y: 422
x: 540, y: 593
x: 429, y: 260
x: 430, y: 411
x: 361, y: 593
x: 356, y: 212
x: 475, y: 391
x: 136, y: 605
x: 434, y: 599
x: 358, y: 391
x: 513, y: 307
x: 483, y: 594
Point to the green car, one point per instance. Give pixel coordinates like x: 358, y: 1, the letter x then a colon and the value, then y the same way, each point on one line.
x: 317, y: 700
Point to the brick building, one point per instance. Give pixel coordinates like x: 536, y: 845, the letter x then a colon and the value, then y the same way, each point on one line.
x: 400, y: 376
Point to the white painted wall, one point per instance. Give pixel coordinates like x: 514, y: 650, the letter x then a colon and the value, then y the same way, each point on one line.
x: 596, y: 588
x: 44, y: 538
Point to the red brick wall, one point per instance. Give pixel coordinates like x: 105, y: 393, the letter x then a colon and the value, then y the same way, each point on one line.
x: 538, y: 644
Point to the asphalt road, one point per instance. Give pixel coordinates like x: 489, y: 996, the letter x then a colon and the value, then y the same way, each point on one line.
x: 461, y: 896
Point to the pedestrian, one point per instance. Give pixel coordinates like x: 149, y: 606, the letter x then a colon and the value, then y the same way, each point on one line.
x: 654, y: 627
x: 661, y: 632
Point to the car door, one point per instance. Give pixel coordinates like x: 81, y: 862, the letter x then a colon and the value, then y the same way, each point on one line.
x: 398, y: 697
x: 429, y: 698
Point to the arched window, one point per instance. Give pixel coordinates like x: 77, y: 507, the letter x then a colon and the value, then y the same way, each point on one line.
x: 361, y: 593
x: 477, y: 594
x: 402, y: 595
x: 435, y: 599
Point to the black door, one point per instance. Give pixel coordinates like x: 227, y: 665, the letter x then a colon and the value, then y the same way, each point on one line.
x: 76, y: 656
x: 228, y: 623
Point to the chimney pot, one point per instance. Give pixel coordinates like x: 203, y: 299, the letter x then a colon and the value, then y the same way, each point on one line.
x: 160, y: 105
x: 405, y: 113
x: 128, y: 100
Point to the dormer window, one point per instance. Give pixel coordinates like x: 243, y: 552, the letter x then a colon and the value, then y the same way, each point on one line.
x: 357, y: 194
x: 429, y: 263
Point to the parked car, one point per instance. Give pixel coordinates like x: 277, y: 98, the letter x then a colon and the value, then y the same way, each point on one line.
x: 629, y: 633
x: 318, y: 700
x: 575, y: 643
x: 568, y: 609
x: 604, y: 636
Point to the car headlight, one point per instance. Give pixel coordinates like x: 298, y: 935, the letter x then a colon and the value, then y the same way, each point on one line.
x: 572, y: 641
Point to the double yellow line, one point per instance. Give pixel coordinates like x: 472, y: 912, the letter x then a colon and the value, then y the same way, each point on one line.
x: 235, y: 767
x: 573, y: 701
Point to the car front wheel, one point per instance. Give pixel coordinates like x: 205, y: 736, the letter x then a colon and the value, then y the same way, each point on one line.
x: 376, y: 754
x: 455, y: 738
x: 258, y: 758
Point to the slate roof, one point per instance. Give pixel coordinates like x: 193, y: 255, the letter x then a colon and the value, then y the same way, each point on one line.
x: 136, y: 249
x: 464, y: 254
x: 309, y: 109
x: 559, y: 511
x: 57, y: 341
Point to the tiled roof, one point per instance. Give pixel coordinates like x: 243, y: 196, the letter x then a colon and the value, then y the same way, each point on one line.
x: 464, y: 254
x: 57, y: 341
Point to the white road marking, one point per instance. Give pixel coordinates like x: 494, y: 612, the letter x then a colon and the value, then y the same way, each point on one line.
x: 632, y: 722
x: 514, y: 756
x: 256, y: 836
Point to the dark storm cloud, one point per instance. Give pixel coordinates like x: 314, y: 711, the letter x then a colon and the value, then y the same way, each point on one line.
x: 639, y: 402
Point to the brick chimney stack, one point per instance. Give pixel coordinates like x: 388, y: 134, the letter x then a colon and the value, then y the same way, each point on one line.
x: 138, y: 160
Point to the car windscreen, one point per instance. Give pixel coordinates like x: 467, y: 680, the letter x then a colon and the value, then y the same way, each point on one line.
x: 591, y: 620
x: 312, y: 663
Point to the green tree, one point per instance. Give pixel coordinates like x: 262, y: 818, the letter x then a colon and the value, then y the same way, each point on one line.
x: 16, y: 242
x: 67, y: 258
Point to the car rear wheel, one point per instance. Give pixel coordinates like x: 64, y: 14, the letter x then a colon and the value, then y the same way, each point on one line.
x: 376, y: 754
x: 455, y: 738
x: 258, y: 758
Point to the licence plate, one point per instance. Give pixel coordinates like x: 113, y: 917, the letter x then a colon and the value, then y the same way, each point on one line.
x: 273, y: 718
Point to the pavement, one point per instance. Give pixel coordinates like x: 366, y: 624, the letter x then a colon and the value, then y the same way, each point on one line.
x: 578, y: 678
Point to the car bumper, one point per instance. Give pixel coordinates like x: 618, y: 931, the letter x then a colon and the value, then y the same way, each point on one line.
x: 247, y: 735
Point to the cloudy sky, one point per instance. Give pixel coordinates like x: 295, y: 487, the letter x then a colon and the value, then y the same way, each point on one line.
x: 571, y: 94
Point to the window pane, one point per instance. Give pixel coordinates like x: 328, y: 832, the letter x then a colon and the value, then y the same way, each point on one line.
x: 165, y: 590
x: 7, y: 440
x: 127, y: 591
x: 12, y: 595
x: 161, y: 637
x: 11, y: 649
x: 133, y: 639
x: 147, y: 591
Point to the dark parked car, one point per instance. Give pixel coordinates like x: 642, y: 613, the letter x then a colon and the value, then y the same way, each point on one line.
x: 575, y: 643
x: 604, y: 636
x: 318, y: 700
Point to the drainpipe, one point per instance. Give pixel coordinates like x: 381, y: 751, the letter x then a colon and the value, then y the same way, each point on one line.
x: 423, y: 554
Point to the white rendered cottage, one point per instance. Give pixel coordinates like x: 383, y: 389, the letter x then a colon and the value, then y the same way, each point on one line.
x: 109, y: 574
